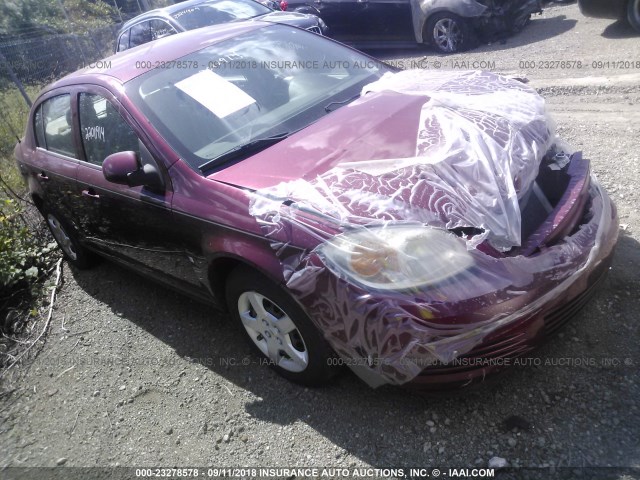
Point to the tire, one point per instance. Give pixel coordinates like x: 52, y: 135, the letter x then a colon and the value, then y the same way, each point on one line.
x: 447, y: 32
x: 633, y: 14
x: 73, y: 252
x: 278, y: 329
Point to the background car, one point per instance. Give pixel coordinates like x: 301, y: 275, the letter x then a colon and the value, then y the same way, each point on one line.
x: 449, y: 25
x: 193, y: 14
x: 343, y: 212
x: 619, y: 9
x: 274, y: 5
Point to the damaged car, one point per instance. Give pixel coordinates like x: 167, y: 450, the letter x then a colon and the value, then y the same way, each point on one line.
x: 448, y: 25
x: 421, y: 228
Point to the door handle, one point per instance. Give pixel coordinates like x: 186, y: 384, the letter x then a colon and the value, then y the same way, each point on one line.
x: 90, y: 193
x: 43, y: 176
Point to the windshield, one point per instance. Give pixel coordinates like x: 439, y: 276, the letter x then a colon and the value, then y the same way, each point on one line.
x: 214, y: 12
x: 268, y: 82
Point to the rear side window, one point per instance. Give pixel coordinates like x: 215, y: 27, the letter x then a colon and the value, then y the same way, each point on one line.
x: 123, y: 42
x: 103, y: 130
x: 140, y: 33
x: 53, y: 126
x: 161, y: 29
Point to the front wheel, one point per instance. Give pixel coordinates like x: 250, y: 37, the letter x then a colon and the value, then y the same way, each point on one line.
x: 278, y: 328
x: 448, y: 32
x: 633, y: 14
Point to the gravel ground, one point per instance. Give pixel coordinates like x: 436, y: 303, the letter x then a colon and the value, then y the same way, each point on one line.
x: 132, y: 374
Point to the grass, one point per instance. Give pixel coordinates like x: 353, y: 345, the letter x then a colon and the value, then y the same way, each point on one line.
x: 25, y: 246
x: 13, y: 118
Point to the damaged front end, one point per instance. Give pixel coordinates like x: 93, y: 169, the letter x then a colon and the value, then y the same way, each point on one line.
x: 419, y: 269
x: 505, y: 16
x: 484, y: 20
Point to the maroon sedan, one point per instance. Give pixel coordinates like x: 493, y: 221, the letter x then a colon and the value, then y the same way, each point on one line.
x: 423, y: 228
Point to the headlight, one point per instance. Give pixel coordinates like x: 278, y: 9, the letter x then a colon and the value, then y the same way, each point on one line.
x: 396, y: 257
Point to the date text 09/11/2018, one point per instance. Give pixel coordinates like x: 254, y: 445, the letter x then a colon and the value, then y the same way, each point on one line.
x: 313, y: 472
x: 579, y: 65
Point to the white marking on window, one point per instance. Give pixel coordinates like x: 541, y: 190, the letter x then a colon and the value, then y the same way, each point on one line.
x: 215, y: 93
x: 94, y: 133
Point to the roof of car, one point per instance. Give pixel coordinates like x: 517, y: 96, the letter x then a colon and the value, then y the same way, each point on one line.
x: 162, y: 12
x: 132, y: 63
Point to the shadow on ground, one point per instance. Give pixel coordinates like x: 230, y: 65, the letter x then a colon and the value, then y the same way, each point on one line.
x: 388, y: 427
x: 619, y: 30
x: 538, y: 30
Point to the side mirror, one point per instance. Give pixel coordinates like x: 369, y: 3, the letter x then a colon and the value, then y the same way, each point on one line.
x: 123, y: 168
x: 117, y: 167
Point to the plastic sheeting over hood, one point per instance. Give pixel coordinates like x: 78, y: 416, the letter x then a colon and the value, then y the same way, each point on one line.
x: 392, y: 296
x: 480, y: 138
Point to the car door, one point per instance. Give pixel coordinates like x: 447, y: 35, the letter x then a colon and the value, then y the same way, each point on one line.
x: 389, y: 20
x: 133, y: 224
x: 379, y: 20
x: 56, y: 155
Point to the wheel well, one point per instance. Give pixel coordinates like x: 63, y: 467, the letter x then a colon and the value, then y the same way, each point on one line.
x: 219, y: 271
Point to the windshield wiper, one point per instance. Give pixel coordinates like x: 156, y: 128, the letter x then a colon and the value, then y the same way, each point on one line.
x: 327, y: 107
x: 252, y: 146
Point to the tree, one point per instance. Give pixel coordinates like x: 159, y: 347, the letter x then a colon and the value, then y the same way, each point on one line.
x: 19, y: 16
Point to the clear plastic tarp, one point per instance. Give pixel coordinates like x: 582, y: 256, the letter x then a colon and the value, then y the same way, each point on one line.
x: 400, y: 275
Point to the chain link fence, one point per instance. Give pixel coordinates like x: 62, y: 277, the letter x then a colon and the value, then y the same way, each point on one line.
x: 40, y: 57
x: 32, y: 57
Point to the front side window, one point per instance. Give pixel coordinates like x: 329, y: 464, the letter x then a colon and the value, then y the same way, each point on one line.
x: 53, y: 126
x: 103, y: 130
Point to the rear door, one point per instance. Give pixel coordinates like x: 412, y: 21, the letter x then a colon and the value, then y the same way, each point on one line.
x: 378, y: 20
x: 56, y: 155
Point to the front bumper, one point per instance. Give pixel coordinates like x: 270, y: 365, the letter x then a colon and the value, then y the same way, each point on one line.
x: 502, y: 308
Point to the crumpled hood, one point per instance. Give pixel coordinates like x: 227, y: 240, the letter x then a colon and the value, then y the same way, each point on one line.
x: 447, y: 149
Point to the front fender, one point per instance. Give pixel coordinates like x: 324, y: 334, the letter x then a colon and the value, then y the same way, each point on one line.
x: 422, y: 10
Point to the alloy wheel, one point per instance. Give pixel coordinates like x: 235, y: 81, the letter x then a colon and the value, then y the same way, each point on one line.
x: 447, y: 35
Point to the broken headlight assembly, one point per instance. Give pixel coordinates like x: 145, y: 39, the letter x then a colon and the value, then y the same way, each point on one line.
x: 396, y: 257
